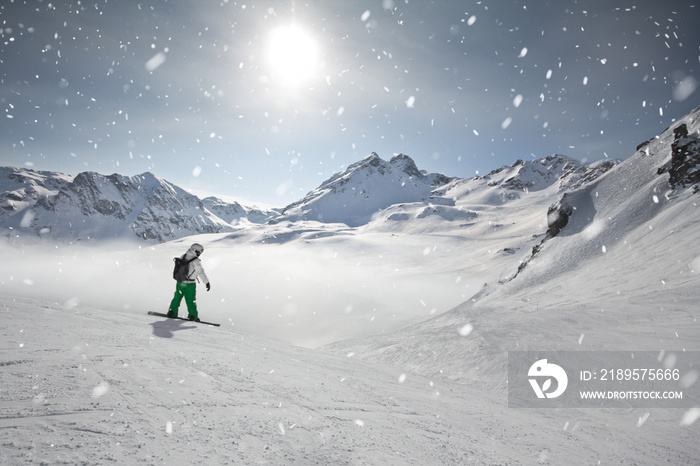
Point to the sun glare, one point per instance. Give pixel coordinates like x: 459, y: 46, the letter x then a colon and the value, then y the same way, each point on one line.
x: 292, y: 55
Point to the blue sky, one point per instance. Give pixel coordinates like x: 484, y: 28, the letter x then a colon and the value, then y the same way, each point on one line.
x: 264, y: 100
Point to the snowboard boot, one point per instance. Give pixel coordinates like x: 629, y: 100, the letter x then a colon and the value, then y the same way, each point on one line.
x: 191, y: 317
x: 171, y: 314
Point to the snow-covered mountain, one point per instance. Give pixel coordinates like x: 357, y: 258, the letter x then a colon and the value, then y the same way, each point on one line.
x: 460, y: 204
x: 397, y: 195
x: 359, y: 192
x: 556, y: 170
x: 94, y: 206
x: 393, y: 195
x: 621, y: 273
x: 233, y: 212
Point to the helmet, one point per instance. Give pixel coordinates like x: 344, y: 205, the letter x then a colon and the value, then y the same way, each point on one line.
x: 198, y: 248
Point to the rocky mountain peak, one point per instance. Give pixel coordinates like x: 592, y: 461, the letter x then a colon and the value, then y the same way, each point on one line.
x: 354, y: 195
x: 406, y: 164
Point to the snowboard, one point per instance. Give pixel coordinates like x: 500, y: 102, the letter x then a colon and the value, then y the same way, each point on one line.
x: 161, y: 314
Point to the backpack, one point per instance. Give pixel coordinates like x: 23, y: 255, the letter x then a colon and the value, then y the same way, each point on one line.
x: 182, y: 268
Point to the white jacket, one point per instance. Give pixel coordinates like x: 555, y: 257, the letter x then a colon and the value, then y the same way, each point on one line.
x: 195, y: 268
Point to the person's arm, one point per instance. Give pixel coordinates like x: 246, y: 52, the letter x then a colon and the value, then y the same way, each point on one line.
x: 200, y: 273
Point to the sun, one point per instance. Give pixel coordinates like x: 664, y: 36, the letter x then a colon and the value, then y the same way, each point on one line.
x: 292, y: 55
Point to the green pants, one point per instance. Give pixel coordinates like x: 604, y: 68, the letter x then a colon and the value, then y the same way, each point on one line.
x: 189, y: 292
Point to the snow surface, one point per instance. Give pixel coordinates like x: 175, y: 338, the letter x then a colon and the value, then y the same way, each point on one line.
x: 86, y: 386
x: 88, y: 377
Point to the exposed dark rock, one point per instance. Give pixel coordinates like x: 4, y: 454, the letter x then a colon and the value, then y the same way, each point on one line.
x: 558, y: 216
x: 644, y: 144
x: 685, y: 158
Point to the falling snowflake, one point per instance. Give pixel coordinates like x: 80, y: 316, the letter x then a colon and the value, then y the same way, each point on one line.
x: 155, y: 61
x: 690, y: 416
x: 466, y: 330
x: 642, y: 419
x: 100, y: 390
x: 684, y: 88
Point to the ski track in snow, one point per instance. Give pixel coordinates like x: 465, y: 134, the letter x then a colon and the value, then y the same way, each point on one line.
x: 87, y: 386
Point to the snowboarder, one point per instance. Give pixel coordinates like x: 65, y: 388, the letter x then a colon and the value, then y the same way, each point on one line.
x: 187, y: 288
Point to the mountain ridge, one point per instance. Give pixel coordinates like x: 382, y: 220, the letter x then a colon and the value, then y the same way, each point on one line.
x: 92, y: 206
x: 60, y: 206
x: 52, y: 204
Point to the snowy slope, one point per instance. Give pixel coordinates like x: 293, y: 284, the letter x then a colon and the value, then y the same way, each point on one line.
x: 623, y: 274
x: 86, y: 386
